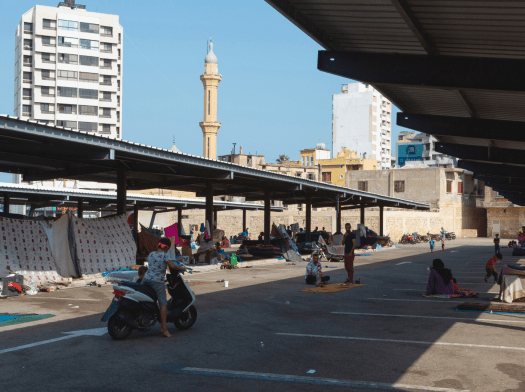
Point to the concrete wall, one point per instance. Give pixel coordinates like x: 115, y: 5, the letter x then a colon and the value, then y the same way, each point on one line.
x: 511, y: 220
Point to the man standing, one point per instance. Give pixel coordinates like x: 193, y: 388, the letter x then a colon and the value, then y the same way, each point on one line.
x: 350, y: 245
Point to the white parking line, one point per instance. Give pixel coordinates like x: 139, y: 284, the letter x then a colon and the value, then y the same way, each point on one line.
x: 410, y: 300
x: 403, y: 341
x: 172, y: 368
x: 485, y: 292
x: 430, y: 317
x: 71, y: 299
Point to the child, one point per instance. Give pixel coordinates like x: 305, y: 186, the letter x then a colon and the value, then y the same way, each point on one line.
x: 496, y: 244
x: 432, y: 243
x: 142, y: 271
x: 443, y: 243
x: 490, y: 267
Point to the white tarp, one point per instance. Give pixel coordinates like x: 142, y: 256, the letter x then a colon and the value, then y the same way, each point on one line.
x: 58, y: 235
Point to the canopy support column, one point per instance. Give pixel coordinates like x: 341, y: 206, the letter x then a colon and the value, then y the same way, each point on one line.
x: 179, y: 220
x: 80, y: 208
x: 308, y: 218
x: 7, y: 203
x: 209, y: 205
x: 362, y: 208
x: 121, y: 191
x: 136, y: 222
x: 32, y: 211
x: 215, y: 220
x: 338, y: 216
x: 381, y: 220
x: 267, y: 209
x: 152, y: 221
x: 243, y: 221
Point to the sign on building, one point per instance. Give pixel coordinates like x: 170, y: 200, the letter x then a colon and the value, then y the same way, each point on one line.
x: 409, y: 152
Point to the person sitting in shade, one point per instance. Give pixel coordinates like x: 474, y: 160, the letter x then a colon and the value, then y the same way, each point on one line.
x: 441, y: 281
x: 241, y: 251
x: 314, y: 272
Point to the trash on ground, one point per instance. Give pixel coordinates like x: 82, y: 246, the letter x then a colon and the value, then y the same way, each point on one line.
x: 287, y: 303
x: 311, y: 371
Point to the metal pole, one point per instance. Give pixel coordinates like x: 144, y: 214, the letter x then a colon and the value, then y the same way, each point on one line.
x: 209, y: 204
x: 362, y: 213
x: 338, y: 216
x: 308, y: 218
x: 215, y: 218
x: 32, y: 211
x: 136, y: 222
x: 243, y: 220
x: 267, y: 210
x: 80, y: 208
x: 153, y: 215
x: 121, y: 191
x: 381, y: 210
x: 7, y: 203
x: 179, y: 220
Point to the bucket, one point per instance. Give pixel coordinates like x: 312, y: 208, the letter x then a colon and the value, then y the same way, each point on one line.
x: 226, y: 283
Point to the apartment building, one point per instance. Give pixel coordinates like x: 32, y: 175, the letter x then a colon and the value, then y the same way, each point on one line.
x: 361, y: 122
x: 414, y: 148
x: 68, y: 68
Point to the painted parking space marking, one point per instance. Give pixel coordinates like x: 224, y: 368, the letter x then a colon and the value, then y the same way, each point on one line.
x: 177, y: 369
x: 69, y: 299
x: 19, y: 318
x: 485, y: 292
x: 410, y: 300
x: 403, y: 341
x: 431, y: 317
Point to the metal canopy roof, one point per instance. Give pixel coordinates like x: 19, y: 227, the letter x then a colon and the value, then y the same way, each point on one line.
x: 21, y: 194
x: 452, y: 67
x: 41, y: 152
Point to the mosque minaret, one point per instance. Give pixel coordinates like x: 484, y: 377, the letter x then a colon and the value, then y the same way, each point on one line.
x: 209, y: 125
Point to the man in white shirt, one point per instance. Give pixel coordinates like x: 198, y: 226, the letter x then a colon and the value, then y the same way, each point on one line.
x: 314, y: 271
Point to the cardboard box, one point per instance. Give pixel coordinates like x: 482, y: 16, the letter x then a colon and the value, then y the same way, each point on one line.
x: 186, y: 252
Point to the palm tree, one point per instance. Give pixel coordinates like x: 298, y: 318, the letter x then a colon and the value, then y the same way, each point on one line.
x: 282, y: 158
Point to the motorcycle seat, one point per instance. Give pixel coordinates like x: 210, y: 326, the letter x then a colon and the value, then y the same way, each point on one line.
x: 142, y: 288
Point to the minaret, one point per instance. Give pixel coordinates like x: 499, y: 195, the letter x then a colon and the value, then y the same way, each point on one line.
x: 209, y: 125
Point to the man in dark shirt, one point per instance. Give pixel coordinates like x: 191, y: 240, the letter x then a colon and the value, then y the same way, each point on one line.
x: 350, y: 245
x: 496, y: 244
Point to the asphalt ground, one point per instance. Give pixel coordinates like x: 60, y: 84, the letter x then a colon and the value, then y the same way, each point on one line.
x: 263, y: 333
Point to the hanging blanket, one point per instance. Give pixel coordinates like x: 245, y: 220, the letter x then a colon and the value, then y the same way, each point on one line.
x: 104, y: 244
x: 148, y: 242
x: 25, y: 249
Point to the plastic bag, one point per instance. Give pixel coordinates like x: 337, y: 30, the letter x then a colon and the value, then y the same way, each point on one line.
x: 30, y: 288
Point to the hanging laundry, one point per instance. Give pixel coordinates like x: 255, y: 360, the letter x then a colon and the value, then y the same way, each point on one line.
x: 172, y: 232
x: 202, y: 228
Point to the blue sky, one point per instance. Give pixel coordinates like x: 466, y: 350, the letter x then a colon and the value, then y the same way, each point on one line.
x: 272, y: 98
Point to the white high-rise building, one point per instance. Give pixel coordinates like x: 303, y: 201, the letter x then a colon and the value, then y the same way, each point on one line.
x: 68, y: 68
x: 361, y: 122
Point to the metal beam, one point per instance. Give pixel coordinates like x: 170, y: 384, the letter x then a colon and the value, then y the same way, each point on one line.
x: 493, y: 169
x: 480, y: 153
x: 56, y: 151
x: 69, y: 173
x: 466, y: 103
x: 121, y: 192
x: 448, y: 72
x: 463, y: 127
x: 498, y: 180
x: 267, y: 217
x: 138, y: 185
x: 413, y: 24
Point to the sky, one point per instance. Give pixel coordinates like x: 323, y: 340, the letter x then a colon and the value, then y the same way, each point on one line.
x: 272, y: 100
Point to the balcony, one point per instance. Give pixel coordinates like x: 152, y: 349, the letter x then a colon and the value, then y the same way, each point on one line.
x: 67, y: 45
x: 105, y: 99
x: 49, y: 27
x: 27, y: 98
x: 105, y: 67
x: 47, y: 95
x: 105, y: 50
x: 28, y: 31
x: 49, y: 78
x: 48, y: 61
x: 28, y: 80
x: 104, y: 115
x: 106, y: 83
x: 28, y: 47
x: 28, y: 64
x: 50, y: 44
x: 106, y: 34
x: 47, y: 111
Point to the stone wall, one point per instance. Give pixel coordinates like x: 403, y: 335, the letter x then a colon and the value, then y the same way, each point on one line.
x: 511, y: 220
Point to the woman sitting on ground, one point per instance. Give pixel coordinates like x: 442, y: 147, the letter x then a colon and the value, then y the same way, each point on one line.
x: 441, y: 282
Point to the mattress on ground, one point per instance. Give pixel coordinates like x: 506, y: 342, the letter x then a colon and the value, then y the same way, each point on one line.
x: 104, y: 244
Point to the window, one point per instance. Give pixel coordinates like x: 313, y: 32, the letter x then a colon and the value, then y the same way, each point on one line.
x: 106, y: 80
x: 28, y: 60
x: 118, y: 51
x: 106, y: 64
x: 106, y: 96
x: 87, y: 94
x: 449, y: 186
x: 341, y: 176
x: 88, y: 77
x: 106, y: 128
x: 26, y: 93
x: 298, y: 174
x: 118, y: 100
x: 65, y: 58
x: 47, y: 91
x: 311, y: 176
x: 88, y: 110
x: 67, y: 75
x: 118, y: 68
x: 28, y: 77
x: 118, y: 131
x: 87, y: 126
x: 89, y: 27
x: 70, y: 92
x: 106, y: 112
x: 118, y: 85
x: 28, y: 27
x: 67, y: 25
x: 67, y: 109
x: 46, y: 41
x: 89, y: 60
x: 106, y: 31
x: 48, y: 24
x: 119, y: 38
x: 326, y: 176
x: 68, y: 42
x: 46, y: 58
x: 249, y: 159
x: 88, y: 44
x: 362, y: 186
x: 26, y: 109
x: 460, y: 187
x: 107, y: 48
x: 47, y: 108
x: 67, y: 124
x: 28, y: 43
x: 399, y: 186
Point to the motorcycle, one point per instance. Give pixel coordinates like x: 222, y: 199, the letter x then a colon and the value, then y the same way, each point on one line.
x: 135, y: 307
x: 450, y: 235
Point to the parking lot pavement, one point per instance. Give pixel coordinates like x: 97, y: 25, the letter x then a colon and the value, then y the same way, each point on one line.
x: 263, y: 332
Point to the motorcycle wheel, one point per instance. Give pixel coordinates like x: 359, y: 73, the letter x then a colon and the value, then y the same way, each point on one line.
x: 117, y: 329
x: 186, y: 319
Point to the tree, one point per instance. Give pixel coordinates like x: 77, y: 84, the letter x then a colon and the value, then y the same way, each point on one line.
x: 282, y: 158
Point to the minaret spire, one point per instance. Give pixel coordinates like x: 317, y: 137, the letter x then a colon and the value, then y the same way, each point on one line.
x: 210, y: 80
